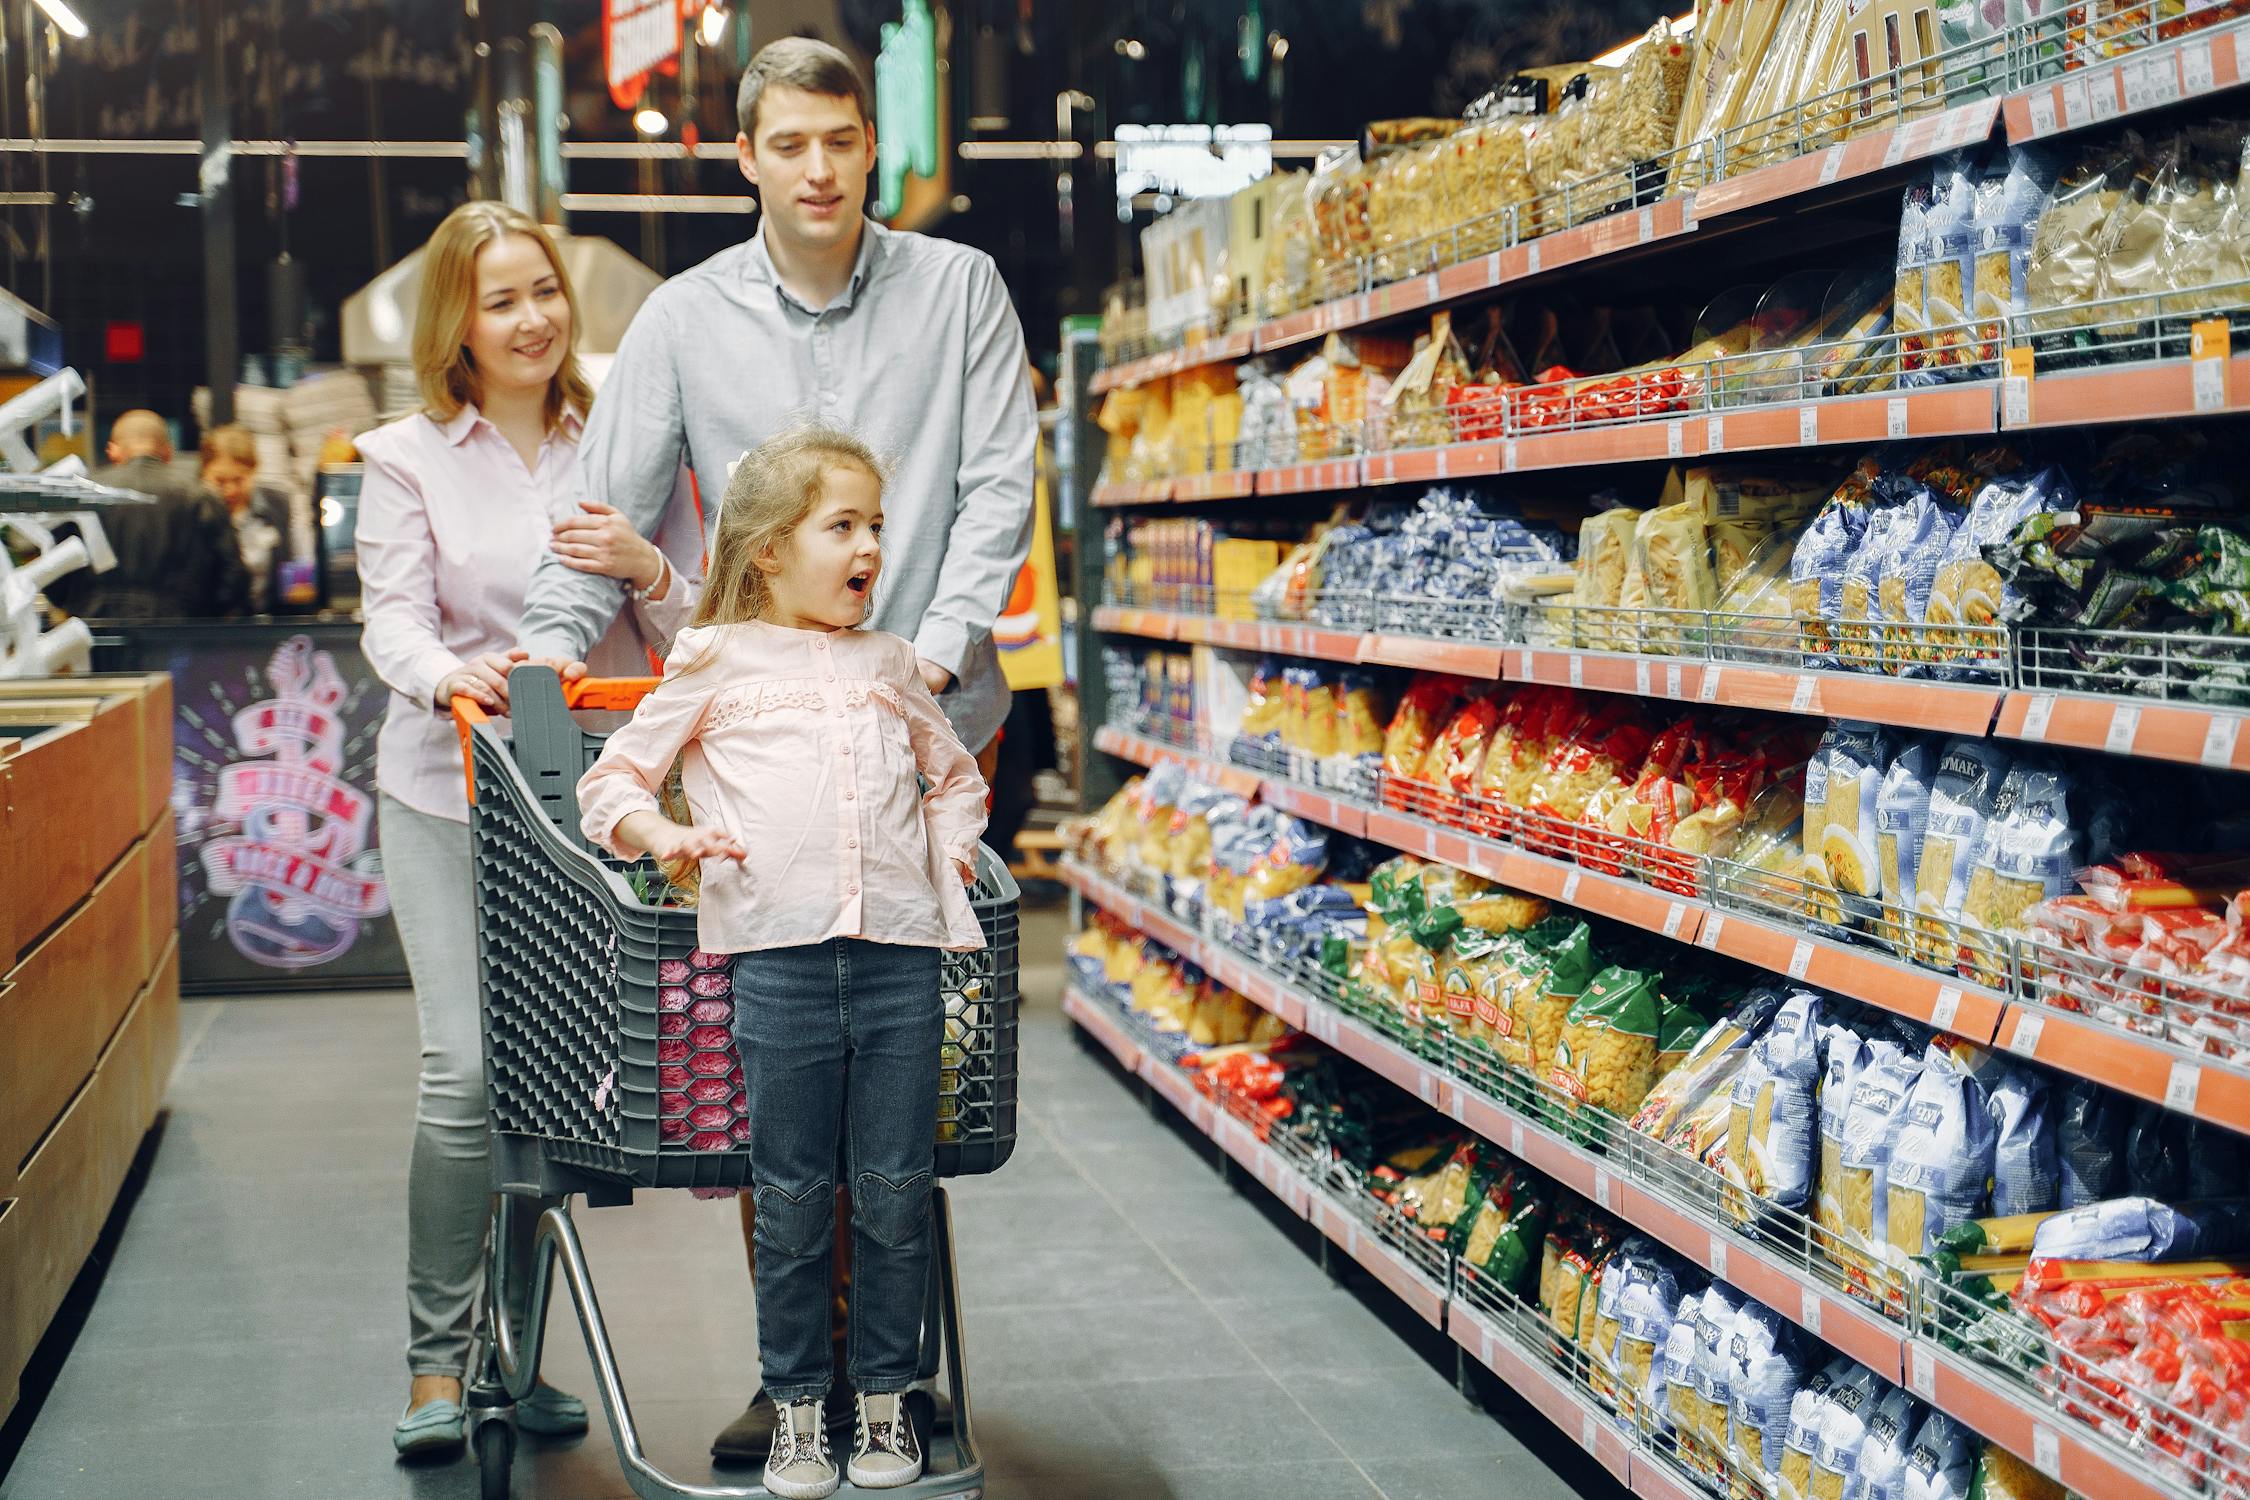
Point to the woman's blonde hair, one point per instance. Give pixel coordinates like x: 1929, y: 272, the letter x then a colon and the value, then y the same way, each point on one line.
x: 773, y: 488
x: 448, y: 304
x: 230, y: 441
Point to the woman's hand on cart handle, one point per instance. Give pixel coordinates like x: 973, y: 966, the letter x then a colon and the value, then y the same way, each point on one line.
x: 660, y: 838
x: 966, y: 869
x: 467, y: 682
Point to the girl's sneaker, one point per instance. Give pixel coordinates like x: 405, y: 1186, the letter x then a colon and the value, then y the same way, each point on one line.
x: 799, y: 1467
x: 886, y: 1454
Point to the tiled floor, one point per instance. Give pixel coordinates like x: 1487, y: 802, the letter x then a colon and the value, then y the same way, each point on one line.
x: 1136, y: 1328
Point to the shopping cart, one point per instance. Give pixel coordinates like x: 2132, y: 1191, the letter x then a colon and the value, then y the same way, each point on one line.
x: 609, y: 1067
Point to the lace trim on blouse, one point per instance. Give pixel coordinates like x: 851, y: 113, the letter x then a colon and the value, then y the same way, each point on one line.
x: 738, y: 703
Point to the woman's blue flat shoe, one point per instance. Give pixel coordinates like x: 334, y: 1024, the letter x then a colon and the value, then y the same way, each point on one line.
x: 547, y: 1412
x: 429, y: 1430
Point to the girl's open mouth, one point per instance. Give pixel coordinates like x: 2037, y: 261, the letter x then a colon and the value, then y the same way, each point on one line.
x: 858, y: 583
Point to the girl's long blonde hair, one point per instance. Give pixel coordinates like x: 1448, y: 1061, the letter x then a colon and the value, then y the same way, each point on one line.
x: 448, y: 304
x: 771, y: 491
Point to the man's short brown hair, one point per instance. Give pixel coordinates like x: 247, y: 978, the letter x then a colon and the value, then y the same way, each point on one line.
x: 803, y: 63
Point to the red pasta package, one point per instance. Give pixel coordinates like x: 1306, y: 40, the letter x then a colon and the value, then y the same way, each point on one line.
x: 1601, y: 757
x: 1422, y: 712
x: 1457, y: 761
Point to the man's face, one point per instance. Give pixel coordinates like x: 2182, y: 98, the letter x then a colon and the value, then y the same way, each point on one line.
x: 809, y: 162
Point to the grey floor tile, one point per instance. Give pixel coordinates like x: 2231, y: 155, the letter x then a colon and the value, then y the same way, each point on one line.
x: 1119, y: 1341
x: 1329, y: 1329
x: 1182, y: 1421
x: 1396, y: 1414
x: 1334, y: 1480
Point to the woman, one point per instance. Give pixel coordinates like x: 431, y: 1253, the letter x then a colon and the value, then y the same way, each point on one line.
x: 457, y: 503
x: 230, y: 471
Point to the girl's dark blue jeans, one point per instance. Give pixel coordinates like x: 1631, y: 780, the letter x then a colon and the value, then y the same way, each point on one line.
x: 840, y: 1054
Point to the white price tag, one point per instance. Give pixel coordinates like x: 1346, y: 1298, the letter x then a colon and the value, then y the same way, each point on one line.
x: 2029, y: 1029
x: 2043, y: 122
x: 2196, y: 72
x: 1523, y: 666
x: 1515, y: 1138
x: 2209, y: 380
x: 1602, y: 1192
x: 2151, y: 82
x: 1801, y: 697
x: 1808, y: 1310
x: 1675, y: 439
x: 1808, y: 425
x: 1441, y: 463
x: 1570, y: 887
x: 1508, y: 456
x: 1800, y: 958
x: 1895, y: 152
x: 1429, y: 287
x: 2219, y: 737
x: 1709, y: 691
x: 2037, y: 714
x: 1894, y: 417
x: 2076, y: 109
x: 1687, y: 212
x: 1718, y: 1257
x: 2124, y: 724
x: 1831, y: 165
x: 2180, y: 1089
x: 1492, y: 269
x: 1708, y: 937
x: 1648, y: 225
x: 2015, y: 401
x: 1715, y: 435
x: 1577, y: 670
x: 1921, y: 1371
x: 2046, y: 1451
x: 1531, y: 258
x: 1641, y: 676
x: 1671, y: 680
x: 1586, y: 1429
x: 1947, y: 1007
x: 2101, y: 98
x: 1426, y: 1084
x: 1673, y: 918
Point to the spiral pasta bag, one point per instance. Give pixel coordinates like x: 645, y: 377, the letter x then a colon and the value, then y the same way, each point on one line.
x: 1607, y: 1056
x: 1941, y: 1163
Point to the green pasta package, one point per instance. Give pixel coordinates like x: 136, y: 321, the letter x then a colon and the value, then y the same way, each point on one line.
x: 1607, y: 1055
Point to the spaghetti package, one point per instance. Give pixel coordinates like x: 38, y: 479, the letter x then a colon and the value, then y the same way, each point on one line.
x: 1870, y: 1127
x: 1902, y: 816
x: 1764, y: 1371
x: 2026, y: 1178
x: 1774, y: 1124
x: 1941, y: 1163
x: 1962, y: 799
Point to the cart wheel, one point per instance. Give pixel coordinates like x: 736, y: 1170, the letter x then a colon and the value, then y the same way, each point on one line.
x: 496, y: 1453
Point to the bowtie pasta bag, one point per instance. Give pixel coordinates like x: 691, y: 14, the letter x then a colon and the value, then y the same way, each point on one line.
x: 1963, y: 798
x: 1941, y: 1162
x: 1774, y: 1122
x: 1871, y: 1126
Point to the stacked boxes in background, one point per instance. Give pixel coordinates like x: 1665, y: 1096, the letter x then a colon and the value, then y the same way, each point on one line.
x: 89, y: 973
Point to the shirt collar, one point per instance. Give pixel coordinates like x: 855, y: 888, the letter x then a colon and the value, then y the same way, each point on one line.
x: 466, y: 419
x: 874, y: 245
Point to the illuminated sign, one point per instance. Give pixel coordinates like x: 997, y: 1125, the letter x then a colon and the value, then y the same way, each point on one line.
x: 638, y: 37
x: 906, y: 105
x: 1191, y: 161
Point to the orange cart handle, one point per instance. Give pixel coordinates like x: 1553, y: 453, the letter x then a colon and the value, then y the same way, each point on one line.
x: 619, y: 694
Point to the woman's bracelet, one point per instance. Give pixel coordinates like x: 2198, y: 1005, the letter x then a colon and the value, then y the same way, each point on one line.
x: 656, y: 585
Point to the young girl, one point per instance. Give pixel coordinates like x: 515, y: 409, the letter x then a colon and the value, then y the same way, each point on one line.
x: 836, y: 882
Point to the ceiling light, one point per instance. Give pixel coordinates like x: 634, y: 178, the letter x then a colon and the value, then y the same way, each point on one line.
x: 1131, y: 49
x: 1279, y: 46
x: 650, y: 121
x: 59, y: 12
x: 714, y: 25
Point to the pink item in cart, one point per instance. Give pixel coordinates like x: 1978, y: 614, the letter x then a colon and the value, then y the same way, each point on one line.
x: 711, y: 1039
x: 672, y: 1131
x: 712, y: 986
x: 672, y: 971
x: 670, y: 1104
x: 712, y: 1065
x: 712, y: 1012
x: 673, y: 998
x: 673, y: 1050
x: 710, y: 1140
x: 710, y: 1117
x: 709, y: 962
x: 672, y: 1077
x: 675, y: 1023
x: 740, y: 1130
x: 708, y: 1090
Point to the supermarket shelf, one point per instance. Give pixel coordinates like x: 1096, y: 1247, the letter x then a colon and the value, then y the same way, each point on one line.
x: 1950, y: 1004
x: 2154, y: 391
x: 2203, y: 62
x: 1862, y: 156
x: 1231, y: 484
x: 1223, y: 350
x: 1943, y: 707
x: 1302, y: 479
x: 1132, y: 492
x: 2151, y: 730
x: 2205, y: 1087
x: 1958, y: 1386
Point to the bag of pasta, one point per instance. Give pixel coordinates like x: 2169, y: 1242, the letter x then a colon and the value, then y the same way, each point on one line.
x: 1552, y: 717
x: 1507, y: 1230
x: 1607, y: 1056
x: 1714, y: 1368
x: 1456, y: 762
x: 1942, y: 1464
x: 1774, y: 1121
x: 1360, y: 735
x: 1903, y: 583
x: 1267, y: 707
x: 1843, y: 1431
x: 1669, y: 578
x: 1858, y: 756
x: 1889, y: 1443
x: 1422, y: 711
x: 1557, y: 977
x: 2026, y: 1176
x: 1808, y: 1409
x: 1462, y: 971
x: 1309, y: 726
x: 1765, y: 1370
x: 1297, y: 857
x: 1605, y: 546
x: 1963, y: 797
x: 1710, y: 1066
x: 2003, y: 1476
x: 1646, y: 1300
x: 1970, y: 598
x: 1871, y: 1127
x: 2030, y: 853
x: 1902, y: 815
x: 1845, y: 1054
x: 1604, y: 755
x: 1941, y: 1161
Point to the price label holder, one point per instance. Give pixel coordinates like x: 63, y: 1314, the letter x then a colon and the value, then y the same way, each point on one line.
x: 2028, y: 1032
x: 1718, y: 1257
x: 2101, y: 97
x: 1709, y: 692
x: 1947, y: 1007
x: 1715, y: 435
x: 1672, y: 680
x: 1894, y: 417
x: 1808, y: 425
x: 1648, y: 225
x: 1808, y: 1310
x: 1921, y: 1371
x: 1713, y: 925
x: 1570, y: 888
x: 1805, y: 696
x: 1673, y: 918
x: 1508, y: 456
x: 1577, y: 670
x: 1641, y: 680
x: 1531, y: 259
x: 2208, y: 350
x: 2182, y: 1086
x: 1675, y: 438
x: 1515, y: 1138
x: 1587, y: 1427
x: 2151, y: 82
x: 1800, y: 958
x: 1831, y: 165
x: 2046, y: 1451
x: 1603, y: 1194
x: 2077, y: 107
x: 2015, y: 387
x: 2219, y: 739
x: 2124, y: 727
x: 2042, y: 104
x: 1523, y: 666
x: 2197, y: 75
x: 2037, y: 715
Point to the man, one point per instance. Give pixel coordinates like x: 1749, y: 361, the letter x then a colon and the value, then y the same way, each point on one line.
x: 177, y: 559
x: 909, y: 343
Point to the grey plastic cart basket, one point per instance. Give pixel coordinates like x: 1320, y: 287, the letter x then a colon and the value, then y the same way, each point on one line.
x: 584, y: 986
